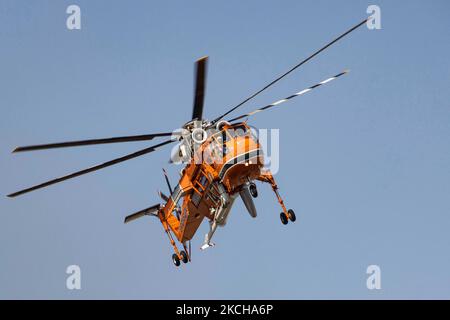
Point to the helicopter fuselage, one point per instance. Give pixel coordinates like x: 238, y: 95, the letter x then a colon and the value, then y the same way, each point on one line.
x: 221, y: 167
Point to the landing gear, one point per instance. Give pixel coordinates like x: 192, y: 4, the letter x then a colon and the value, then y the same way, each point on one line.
x: 178, y: 256
x: 176, y: 260
x: 286, y: 215
x: 283, y: 218
x: 290, y: 216
x: 168, y: 219
x: 253, y: 190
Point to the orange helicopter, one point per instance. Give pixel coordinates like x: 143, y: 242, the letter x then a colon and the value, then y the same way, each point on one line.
x: 223, y: 159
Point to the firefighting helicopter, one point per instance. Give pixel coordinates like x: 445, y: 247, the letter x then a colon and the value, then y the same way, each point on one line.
x: 222, y: 158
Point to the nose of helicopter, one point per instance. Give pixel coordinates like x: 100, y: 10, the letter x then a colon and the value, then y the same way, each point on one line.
x: 242, y: 168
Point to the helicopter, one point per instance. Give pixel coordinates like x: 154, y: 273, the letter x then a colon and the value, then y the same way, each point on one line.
x: 222, y: 160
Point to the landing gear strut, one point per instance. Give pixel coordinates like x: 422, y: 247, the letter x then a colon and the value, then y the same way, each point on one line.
x: 178, y: 256
x: 286, y: 215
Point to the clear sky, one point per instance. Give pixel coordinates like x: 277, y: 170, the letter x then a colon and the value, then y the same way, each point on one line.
x: 364, y: 161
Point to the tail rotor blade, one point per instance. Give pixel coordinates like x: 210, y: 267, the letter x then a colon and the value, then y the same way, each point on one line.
x: 167, y: 181
x: 163, y: 196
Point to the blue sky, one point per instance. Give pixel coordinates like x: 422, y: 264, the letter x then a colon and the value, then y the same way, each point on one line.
x: 365, y: 160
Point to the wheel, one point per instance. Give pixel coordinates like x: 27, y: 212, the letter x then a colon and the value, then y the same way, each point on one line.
x: 291, y: 214
x: 253, y: 190
x: 283, y: 218
x: 184, y: 257
x: 176, y: 260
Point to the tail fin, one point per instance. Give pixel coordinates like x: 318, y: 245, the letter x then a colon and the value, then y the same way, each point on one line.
x: 145, y: 212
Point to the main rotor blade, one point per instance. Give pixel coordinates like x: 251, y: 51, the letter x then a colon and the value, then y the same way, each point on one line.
x: 292, y: 69
x: 290, y: 97
x: 200, y: 85
x: 91, y: 169
x: 143, y: 137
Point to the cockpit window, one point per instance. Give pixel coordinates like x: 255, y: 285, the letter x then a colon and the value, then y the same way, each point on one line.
x: 225, y: 136
x: 238, y: 131
x: 203, y: 181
